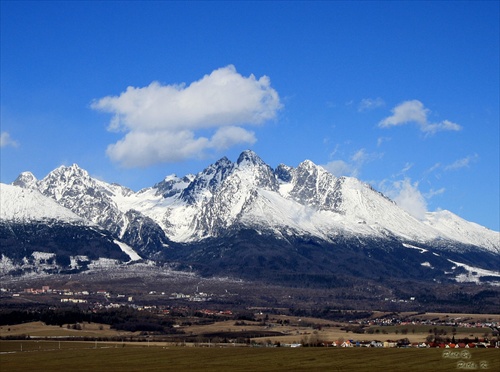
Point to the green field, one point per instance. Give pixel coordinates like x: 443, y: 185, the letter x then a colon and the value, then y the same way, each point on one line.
x: 76, y: 356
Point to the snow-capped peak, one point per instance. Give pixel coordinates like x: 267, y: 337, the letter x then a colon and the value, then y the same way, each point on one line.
x: 72, y: 170
x: 206, y: 182
x: 248, y: 157
x: 64, y: 178
x: 26, y: 180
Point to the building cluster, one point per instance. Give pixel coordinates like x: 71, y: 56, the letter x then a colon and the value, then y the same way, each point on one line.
x: 482, y: 343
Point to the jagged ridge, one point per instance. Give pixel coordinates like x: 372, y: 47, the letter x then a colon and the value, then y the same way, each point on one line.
x: 285, y: 204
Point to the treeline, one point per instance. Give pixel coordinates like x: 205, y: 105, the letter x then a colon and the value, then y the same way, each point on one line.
x: 331, y: 314
x: 50, y: 316
x: 124, y: 319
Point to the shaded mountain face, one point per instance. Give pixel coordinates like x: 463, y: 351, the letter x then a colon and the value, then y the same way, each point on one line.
x: 56, y: 247
x: 247, y: 219
x: 312, y: 262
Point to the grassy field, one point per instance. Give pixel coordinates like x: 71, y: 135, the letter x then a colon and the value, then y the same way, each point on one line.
x: 40, y: 329
x: 79, y: 356
x: 296, y: 333
x: 291, y: 333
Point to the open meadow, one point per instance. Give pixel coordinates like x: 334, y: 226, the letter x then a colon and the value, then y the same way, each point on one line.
x: 297, y: 330
x: 247, y: 345
x: 80, y: 356
x: 42, y: 330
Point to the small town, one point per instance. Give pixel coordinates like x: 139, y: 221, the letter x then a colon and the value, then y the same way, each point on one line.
x: 269, y: 327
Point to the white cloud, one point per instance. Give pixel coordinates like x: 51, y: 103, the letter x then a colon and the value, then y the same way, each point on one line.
x: 462, y: 163
x: 434, y: 167
x: 438, y: 168
x: 226, y: 137
x: 6, y: 140
x: 407, y: 167
x: 162, y: 122
x: 370, y: 104
x: 381, y: 140
x: 415, y: 112
x: 408, y: 197
x: 140, y: 149
x: 353, y: 167
x: 433, y: 192
x: 340, y: 168
x: 442, y: 126
x: 359, y: 156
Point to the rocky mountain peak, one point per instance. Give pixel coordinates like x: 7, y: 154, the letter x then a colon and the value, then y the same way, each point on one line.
x: 284, y: 173
x: 172, y: 185
x: 248, y: 157
x: 71, y: 171
x: 207, y: 181
x: 66, y: 182
x: 255, y: 171
x: 314, y: 186
x: 26, y: 180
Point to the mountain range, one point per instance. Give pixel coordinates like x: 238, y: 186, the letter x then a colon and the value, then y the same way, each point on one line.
x: 241, y: 219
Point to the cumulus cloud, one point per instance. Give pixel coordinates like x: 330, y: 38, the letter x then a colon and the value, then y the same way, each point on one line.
x: 226, y: 137
x: 408, y: 197
x: 415, y: 112
x: 370, y: 103
x: 163, y: 122
x: 6, y: 140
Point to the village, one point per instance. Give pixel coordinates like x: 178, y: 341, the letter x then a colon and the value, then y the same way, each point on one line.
x: 103, y: 298
x: 198, y: 315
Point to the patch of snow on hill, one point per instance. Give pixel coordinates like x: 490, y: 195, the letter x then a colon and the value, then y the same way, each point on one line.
x: 6, y: 265
x: 422, y: 250
x: 474, y: 274
x: 104, y: 263
x: 128, y: 250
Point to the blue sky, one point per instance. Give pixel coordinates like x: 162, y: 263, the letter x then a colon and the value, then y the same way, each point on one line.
x: 403, y: 95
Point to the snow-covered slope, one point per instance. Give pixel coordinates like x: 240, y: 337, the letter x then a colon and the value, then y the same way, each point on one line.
x: 18, y: 204
x: 452, y: 227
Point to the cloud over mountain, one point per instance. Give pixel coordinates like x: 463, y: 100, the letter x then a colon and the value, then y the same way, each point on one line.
x: 166, y: 123
x: 408, y: 197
